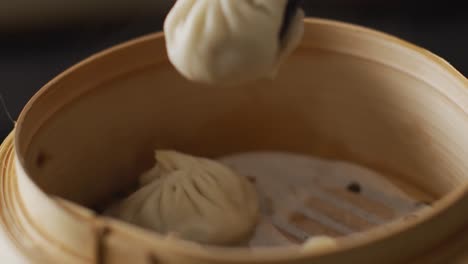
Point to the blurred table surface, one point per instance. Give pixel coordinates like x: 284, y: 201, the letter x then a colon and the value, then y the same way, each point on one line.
x: 29, y: 59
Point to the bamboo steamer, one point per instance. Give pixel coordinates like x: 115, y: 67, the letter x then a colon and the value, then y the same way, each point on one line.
x: 347, y: 93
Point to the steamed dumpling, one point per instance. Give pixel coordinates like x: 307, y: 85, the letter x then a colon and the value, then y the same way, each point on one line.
x: 319, y: 243
x: 229, y: 41
x: 192, y: 198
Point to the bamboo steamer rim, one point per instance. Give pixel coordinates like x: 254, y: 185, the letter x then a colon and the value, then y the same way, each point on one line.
x: 379, y: 234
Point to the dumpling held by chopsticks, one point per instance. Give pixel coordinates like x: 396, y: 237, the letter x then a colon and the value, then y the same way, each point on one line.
x: 232, y: 41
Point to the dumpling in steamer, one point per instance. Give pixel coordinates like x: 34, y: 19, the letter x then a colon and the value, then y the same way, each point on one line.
x: 231, y: 41
x: 193, y: 198
x: 319, y: 243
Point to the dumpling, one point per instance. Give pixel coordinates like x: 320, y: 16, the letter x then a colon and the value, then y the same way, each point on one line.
x: 192, y: 198
x: 319, y: 243
x: 231, y: 41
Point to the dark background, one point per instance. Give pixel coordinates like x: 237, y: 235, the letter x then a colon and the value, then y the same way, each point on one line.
x: 31, y: 56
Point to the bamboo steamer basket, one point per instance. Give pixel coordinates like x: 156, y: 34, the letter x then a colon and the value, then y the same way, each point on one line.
x: 347, y: 93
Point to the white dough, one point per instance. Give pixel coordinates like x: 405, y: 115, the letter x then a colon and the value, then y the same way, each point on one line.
x: 192, y: 198
x: 319, y: 243
x: 229, y: 41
